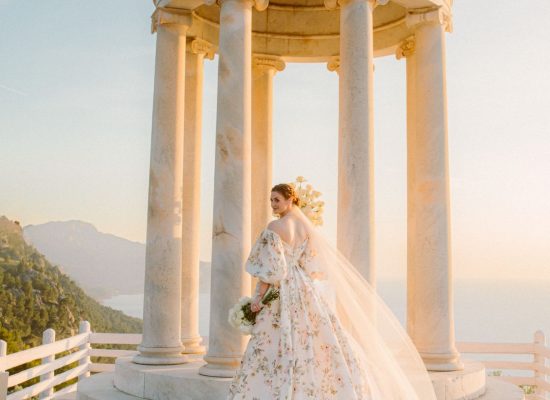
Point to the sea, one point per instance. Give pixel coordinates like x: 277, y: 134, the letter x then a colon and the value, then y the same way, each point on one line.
x: 484, y: 311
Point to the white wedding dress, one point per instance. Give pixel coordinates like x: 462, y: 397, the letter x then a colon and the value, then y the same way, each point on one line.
x: 328, y: 336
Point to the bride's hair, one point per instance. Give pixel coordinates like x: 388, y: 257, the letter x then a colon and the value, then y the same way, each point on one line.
x: 287, y: 192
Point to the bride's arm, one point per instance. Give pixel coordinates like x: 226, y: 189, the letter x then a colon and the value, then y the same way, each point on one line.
x: 263, y: 288
x: 256, y: 301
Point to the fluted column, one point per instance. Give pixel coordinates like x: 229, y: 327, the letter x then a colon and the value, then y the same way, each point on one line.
x: 355, y: 216
x: 161, y: 343
x: 197, y: 49
x: 430, y: 315
x: 231, y: 216
x: 264, y: 69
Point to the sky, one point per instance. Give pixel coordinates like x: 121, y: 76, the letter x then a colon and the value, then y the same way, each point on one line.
x: 76, y: 92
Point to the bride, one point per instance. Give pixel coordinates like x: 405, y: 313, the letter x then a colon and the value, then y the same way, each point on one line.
x: 328, y: 335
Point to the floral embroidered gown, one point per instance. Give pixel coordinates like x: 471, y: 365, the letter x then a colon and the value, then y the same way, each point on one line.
x: 298, y: 349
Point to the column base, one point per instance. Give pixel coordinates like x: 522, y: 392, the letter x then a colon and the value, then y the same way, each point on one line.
x: 467, y: 384
x: 442, y: 361
x: 136, y: 382
x: 220, y: 367
x: 160, y: 356
x: 181, y: 382
x: 193, y: 345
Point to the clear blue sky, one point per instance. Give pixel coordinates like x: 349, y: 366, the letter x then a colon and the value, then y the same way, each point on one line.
x: 76, y: 81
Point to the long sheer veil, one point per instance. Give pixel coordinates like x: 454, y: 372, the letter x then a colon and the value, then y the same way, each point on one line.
x: 380, y: 341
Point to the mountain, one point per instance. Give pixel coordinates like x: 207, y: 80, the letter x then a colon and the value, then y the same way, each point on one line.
x: 36, y: 295
x: 102, y: 264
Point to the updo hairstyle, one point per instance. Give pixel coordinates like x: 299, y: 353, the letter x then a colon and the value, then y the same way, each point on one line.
x: 287, y: 192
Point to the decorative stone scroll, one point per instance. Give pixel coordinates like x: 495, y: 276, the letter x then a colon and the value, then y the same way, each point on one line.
x: 175, y: 17
x: 406, y: 48
x: 333, y: 64
x: 261, y: 62
x: 201, y: 46
x: 439, y: 15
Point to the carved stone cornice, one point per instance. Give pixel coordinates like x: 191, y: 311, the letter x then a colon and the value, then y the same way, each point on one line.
x: 333, y: 64
x: 406, y: 48
x: 438, y: 15
x: 260, y: 5
x: 201, y: 46
x: 179, y: 18
x: 332, y: 4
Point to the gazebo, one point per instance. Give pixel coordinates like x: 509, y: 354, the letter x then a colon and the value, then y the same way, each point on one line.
x: 254, y: 39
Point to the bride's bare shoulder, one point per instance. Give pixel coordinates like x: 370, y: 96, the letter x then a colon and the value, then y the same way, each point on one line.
x: 276, y: 226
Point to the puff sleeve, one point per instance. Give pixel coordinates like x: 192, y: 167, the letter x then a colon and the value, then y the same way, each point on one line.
x: 267, y: 258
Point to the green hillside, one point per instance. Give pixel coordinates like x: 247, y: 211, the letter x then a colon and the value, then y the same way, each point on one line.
x: 35, y: 295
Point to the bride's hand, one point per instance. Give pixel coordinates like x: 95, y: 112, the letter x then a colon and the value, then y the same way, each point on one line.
x: 255, y: 306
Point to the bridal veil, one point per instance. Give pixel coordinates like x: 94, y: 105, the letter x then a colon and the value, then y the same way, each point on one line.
x: 389, y: 355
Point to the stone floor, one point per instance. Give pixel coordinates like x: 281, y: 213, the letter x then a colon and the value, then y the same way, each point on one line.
x: 100, y: 387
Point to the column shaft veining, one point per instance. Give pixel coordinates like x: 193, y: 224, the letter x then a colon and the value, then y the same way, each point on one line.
x: 430, y: 315
x: 161, y: 343
x: 263, y: 70
x: 231, y: 215
x: 191, y: 210
x: 355, y: 230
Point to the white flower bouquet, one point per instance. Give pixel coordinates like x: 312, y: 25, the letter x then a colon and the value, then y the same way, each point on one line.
x: 241, y: 315
x: 309, y: 203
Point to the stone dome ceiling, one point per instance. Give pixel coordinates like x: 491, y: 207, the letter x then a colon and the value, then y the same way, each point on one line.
x: 305, y: 30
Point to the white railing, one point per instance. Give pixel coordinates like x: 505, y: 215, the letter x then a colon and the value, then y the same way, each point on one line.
x: 80, y: 349
x: 537, y: 386
x: 74, y: 355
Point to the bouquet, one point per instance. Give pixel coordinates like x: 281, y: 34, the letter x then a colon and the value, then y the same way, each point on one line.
x: 309, y: 203
x: 242, y: 317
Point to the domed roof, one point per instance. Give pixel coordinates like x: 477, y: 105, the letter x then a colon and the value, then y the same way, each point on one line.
x: 305, y: 30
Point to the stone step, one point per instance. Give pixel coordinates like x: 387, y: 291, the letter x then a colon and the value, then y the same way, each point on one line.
x: 68, y: 396
x: 100, y: 387
x: 498, y: 389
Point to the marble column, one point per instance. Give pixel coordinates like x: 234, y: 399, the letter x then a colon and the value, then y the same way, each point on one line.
x: 232, y: 187
x: 355, y: 216
x: 263, y: 71
x: 430, y: 316
x: 161, y: 343
x: 197, y: 49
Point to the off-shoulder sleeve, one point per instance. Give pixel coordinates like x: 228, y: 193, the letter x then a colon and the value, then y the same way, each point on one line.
x: 267, y: 258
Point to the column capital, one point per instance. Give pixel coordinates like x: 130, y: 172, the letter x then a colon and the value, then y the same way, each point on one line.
x: 332, y: 4
x: 405, y: 48
x: 180, y: 18
x: 437, y: 15
x: 262, y: 63
x: 203, y: 47
x: 333, y: 64
x: 260, y: 5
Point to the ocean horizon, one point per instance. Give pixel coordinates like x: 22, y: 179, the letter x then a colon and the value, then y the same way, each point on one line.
x: 484, y: 310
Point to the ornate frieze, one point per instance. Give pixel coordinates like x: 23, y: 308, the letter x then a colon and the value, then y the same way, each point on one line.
x: 260, y: 5
x: 332, y: 4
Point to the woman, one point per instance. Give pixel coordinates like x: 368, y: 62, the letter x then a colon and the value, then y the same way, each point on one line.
x: 328, y: 335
